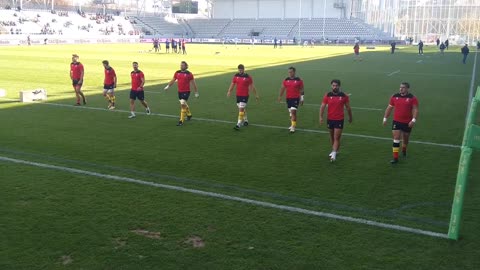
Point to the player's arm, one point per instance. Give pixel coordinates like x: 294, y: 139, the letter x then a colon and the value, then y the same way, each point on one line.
x: 195, y: 88
x: 349, y: 111
x: 230, y: 89
x: 71, y: 74
x: 81, y: 76
x: 171, y: 82
x: 388, y: 111
x: 254, y: 90
x: 142, y: 84
x: 302, y: 93
x: 415, y: 114
x: 282, y: 90
x: 322, y: 111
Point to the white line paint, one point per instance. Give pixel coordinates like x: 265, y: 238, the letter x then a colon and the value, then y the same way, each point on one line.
x: 393, y: 73
x: 256, y: 125
x: 472, y: 84
x: 419, y: 61
x: 229, y: 198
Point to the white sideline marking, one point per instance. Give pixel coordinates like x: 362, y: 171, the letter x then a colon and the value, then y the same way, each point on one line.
x: 419, y: 61
x: 229, y: 198
x: 472, y: 83
x: 393, y: 73
x: 256, y: 125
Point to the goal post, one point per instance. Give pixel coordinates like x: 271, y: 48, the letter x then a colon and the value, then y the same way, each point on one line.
x: 471, y: 141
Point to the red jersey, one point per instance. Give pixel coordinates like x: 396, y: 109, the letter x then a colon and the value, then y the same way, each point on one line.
x: 336, y: 103
x: 76, y: 70
x: 109, y: 76
x: 293, y: 86
x: 183, y: 80
x: 356, y: 48
x: 243, y: 82
x: 137, y: 77
x: 403, y: 107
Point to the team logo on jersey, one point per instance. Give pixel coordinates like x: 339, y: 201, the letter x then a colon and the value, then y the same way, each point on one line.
x: 408, y: 100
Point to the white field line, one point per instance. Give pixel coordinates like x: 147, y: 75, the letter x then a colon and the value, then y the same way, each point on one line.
x: 251, y: 124
x: 229, y: 198
x: 393, y: 73
x: 419, y: 61
x: 472, y: 83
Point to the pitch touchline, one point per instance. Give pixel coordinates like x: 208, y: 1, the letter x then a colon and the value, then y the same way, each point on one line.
x: 229, y: 198
x: 256, y: 125
x: 395, y: 72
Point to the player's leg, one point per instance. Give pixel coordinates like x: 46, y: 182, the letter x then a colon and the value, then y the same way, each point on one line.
x: 106, y: 95
x: 396, y: 134
x: 405, y: 140
x: 293, y: 119
x: 77, y: 95
x: 241, y: 112
x: 141, y: 97
x: 331, y: 132
x: 78, y: 89
x: 245, y: 118
x: 133, y: 97
x: 111, y: 94
x: 188, y: 113
x: 337, y: 134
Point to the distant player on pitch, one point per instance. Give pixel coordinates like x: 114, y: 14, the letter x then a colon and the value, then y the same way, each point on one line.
x: 138, y: 81
x: 293, y: 85
x: 109, y: 84
x: 244, y: 83
x: 184, y: 79
x: 76, y: 74
x: 405, y: 106
x: 336, y: 101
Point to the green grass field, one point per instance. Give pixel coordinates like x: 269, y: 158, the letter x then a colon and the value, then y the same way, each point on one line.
x: 54, y: 215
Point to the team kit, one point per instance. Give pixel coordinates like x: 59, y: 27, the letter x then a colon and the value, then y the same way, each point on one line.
x: 403, y: 104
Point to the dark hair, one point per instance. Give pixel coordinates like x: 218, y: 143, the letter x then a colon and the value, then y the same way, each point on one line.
x: 241, y: 66
x: 406, y: 84
x: 183, y: 62
x: 105, y: 62
x: 135, y: 63
x: 337, y: 81
x: 293, y: 69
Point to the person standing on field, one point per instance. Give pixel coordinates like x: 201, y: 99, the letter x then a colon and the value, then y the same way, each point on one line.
x: 405, y: 107
x: 138, y: 81
x: 244, y: 84
x: 76, y: 74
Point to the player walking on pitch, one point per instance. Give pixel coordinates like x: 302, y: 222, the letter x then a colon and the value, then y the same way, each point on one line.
x: 76, y: 74
x: 184, y: 79
x: 293, y: 85
x: 138, y: 81
x: 336, y: 101
x: 405, y: 106
x: 244, y: 83
x: 109, y: 84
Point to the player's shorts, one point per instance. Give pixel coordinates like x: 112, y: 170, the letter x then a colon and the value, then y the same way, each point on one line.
x: 293, y: 102
x: 137, y: 94
x: 335, y: 124
x: 108, y: 88
x: 75, y: 83
x: 243, y: 99
x: 183, y: 95
x: 167, y: 46
x: 401, y: 126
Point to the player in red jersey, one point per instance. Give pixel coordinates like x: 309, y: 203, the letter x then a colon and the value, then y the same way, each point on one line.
x: 138, y: 81
x: 76, y: 74
x: 405, y: 106
x: 356, y: 51
x: 293, y: 85
x: 244, y: 83
x: 336, y: 101
x: 109, y: 84
x: 184, y: 79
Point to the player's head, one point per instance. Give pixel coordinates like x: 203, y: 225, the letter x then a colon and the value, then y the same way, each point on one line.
x: 105, y: 63
x: 291, y: 71
x: 135, y: 65
x: 335, y: 83
x: 404, y: 87
x: 241, y: 69
x: 183, y: 65
x: 74, y: 58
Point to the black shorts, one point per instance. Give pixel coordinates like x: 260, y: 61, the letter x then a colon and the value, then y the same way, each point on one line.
x: 108, y: 86
x: 75, y: 82
x: 137, y: 94
x: 401, y: 126
x: 293, y: 102
x: 243, y: 99
x: 183, y: 95
x: 168, y: 46
x: 332, y: 124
